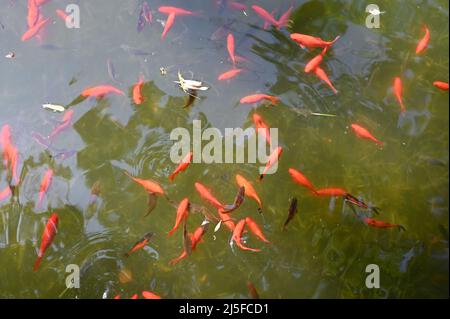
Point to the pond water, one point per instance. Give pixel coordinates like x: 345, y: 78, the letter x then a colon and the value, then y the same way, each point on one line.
x: 324, y: 251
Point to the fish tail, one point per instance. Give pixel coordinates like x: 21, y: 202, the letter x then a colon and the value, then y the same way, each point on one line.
x: 37, y: 263
x: 172, y: 177
x: 335, y: 39
x: 261, y: 177
x: 260, y: 210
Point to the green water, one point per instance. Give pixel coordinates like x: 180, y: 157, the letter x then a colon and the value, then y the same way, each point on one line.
x: 325, y: 250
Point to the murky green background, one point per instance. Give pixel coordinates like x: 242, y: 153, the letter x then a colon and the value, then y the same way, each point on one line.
x: 325, y: 250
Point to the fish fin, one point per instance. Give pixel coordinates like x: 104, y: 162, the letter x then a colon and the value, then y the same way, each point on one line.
x: 37, y: 263
x: 401, y: 228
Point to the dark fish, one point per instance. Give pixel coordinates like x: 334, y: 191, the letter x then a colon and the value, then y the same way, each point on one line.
x: 145, y: 16
x: 191, y: 99
x: 239, y: 199
x: 353, y: 200
x: 291, y: 213
x: 187, y: 243
x: 111, y: 69
x: 252, y: 290
x: 140, y: 244
x: 133, y: 51
x: 41, y: 139
x: 151, y: 203
x: 196, y: 208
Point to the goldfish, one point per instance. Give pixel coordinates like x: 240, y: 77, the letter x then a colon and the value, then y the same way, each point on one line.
x: 331, y: 192
x: 262, y: 127
x: 299, y: 178
x: 441, y: 85
x: 353, y: 200
x: 178, y: 11
x: 237, y: 234
x: 239, y: 199
x: 33, y: 13
x: 229, y: 74
x: 182, y: 214
x: 273, y: 158
x: 291, y: 212
x: 224, y: 219
x: 266, y: 16
x: 252, y: 290
x: 41, y: 2
x: 237, y: 6
x: 182, y: 166
x: 100, y: 91
x: 423, y: 43
x: 364, y: 133
x: 195, y: 239
x: 32, y: 31
x: 380, y: 224
x: 140, y: 244
x: 314, y: 62
x: 255, y: 98
x: 135, y: 296
x: 249, y: 190
x: 145, y: 16
x: 311, y: 42
x: 10, y: 152
x: 45, y: 185
x: 284, y: 19
x: 66, y: 121
x: 230, y: 48
x: 150, y: 295
x: 206, y: 195
x: 5, y: 193
x: 137, y: 91
x: 60, y: 13
x: 47, y: 238
x: 398, y: 91
x: 169, y: 23
x: 255, y: 229
x: 149, y: 185
x: 320, y: 73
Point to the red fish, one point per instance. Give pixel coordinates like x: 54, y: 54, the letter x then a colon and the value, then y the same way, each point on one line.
x: 45, y: 185
x: 137, y: 91
x: 140, y: 244
x: 237, y: 234
x: 331, y: 192
x: 273, y: 158
x: 320, y: 73
x: 230, y: 48
x: 100, y: 91
x: 169, y: 23
x: 364, y: 133
x: 10, y: 153
x: 237, y: 6
x: 174, y: 10
x: 206, y: 195
x: 32, y: 31
x: 266, y: 16
x: 5, y: 193
x: 225, y: 219
x: 315, y: 62
x: 182, y: 214
x: 195, y: 240
x: 67, y: 118
x: 60, y: 13
x: 135, y: 296
x: 249, y: 190
x: 255, y: 229
x: 441, y: 85
x: 47, y: 238
x: 380, y: 224
x: 182, y: 166
x: 255, y: 98
x: 229, y: 74
x: 423, y: 43
x: 150, y: 295
x: 150, y: 186
x: 398, y: 91
x: 299, y: 178
x: 311, y: 42
x: 260, y: 124
x: 41, y: 2
x: 33, y: 13
x: 284, y: 19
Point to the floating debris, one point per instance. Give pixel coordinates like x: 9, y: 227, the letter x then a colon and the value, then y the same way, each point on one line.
x: 54, y: 107
x: 10, y: 55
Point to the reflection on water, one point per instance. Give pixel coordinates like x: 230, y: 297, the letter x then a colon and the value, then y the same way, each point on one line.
x: 325, y: 250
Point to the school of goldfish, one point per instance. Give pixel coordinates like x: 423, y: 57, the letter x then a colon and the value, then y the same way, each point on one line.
x: 225, y: 213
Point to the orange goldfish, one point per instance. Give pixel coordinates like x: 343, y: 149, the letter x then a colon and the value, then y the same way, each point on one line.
x: 47, y: 238
x: 311, y: 42
x: 265, y: 15
x: 254, y: 228
x: 249, y: 190
x: 45, y: 184
x: 169, y: 23
x: 206, y: 195
x: 320, y: 73
x: 441, y: 85
x: 195, y: 239
x: 284, y: 19
x: 364, y: 133
x: 260, y: 124
x: 182, y: 166
x: 33, y: 13
x: 380, y: 224
x: 255, y: 98
x: 174, y: 10
x: 150, y: 295
x: 273, y: 158
x: 137, y: 91
x: 237, y: 234
x: 150, y: 186
x: 315, y: 62
x: 423, y: 43
x: 299, y: 178
x: 100, y: 91
x: 398, y: 91
x: 140, y: 244
x: 5, y: 193
x: 229, y: 74
x: 32, y: 31
x: 182, y: 214
x: 331, y: 192
x: 230, y: 48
